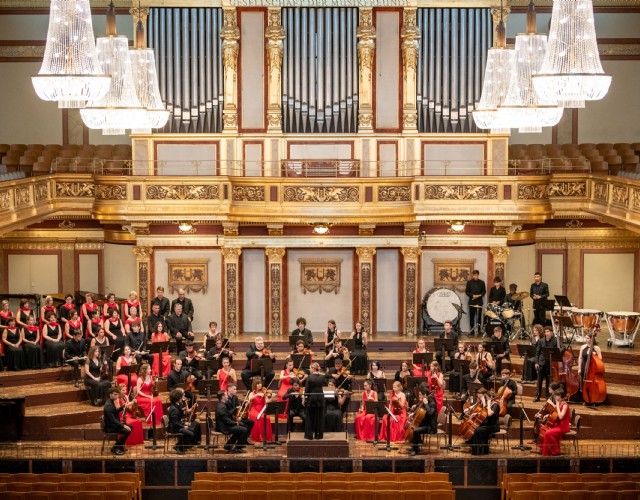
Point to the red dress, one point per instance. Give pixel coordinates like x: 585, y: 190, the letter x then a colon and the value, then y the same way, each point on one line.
x: 166, y: 359
x: 551, y: 440
x: 366, y: 424
x: 223, y: 379
x: 417, y: 372
x: 437, y: 392
x: 285, y: 385
x: 123, y: 379
x: 146, y: 403
x: 397, y: 428
x: 137, y: 434
x: 74, y: 325
x: 257, y: 404
x: 129, y: 305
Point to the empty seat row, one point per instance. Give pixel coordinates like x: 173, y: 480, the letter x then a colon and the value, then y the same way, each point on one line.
x: 322, y: 477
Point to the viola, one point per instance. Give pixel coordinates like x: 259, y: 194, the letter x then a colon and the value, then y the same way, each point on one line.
x: 190, y: 383
x: 299, y: 372
x: 594, y: 389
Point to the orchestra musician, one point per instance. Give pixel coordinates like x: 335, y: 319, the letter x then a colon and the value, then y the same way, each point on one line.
x: 257, y: 351
x: 479, y: 442
x: 454, y: 376
x: 113, y: 422
x: 258, y: 399
x: 52, y: 338
x: 590, y: 340
x: 65, y: 311
x: 101, y: 339
x: 218, y: 350
x: 468, y: 378
x: 285, y: 381
x: 295, y: 408
x: 137, y: 340
x: 359, y: 354
x: 436, y: 384
x: 342, y: 378
x: 126, y: 359
x: 145, y: 394
x: 300, y: 348
x: 185, y: 303
x: 212, y: 334
x: 398, y: 406
x: 486, y: 364
x: 159, y: 335
x: 542, y: 363
x: 475, y: 290
x: 176, y: 377
x: 429, y: 423
x: 164, y: 306
x: 333, y: 408
x: 74, y: 353
x: 109, y: 306
x: 365, y: 424
x: 420, y: 348
x: 403, y: 374
x: 314, y: 403
x: 509, y: 383
x: 539, y: 292
x: 12, y: 343
x: 23, y: 313
x: 73, y: 323
x: 190, y: 359
x: 182, y: 421
x: 137, y: 433
x: 330, y: 335
x: 499, y: 336
x: 131, y: 303
x: 34, y: 356
x: 303, y: 331
x: 497, y: 294
x: 376, y: 373
x: 226, y: 374
x: 337, y: 352
x: 550, y: 445
x: 96, y: 386
x: 226, y: 424
x: 180, y: 326
x: 155, y: 317
x: 94, y: 323
x: 529, y: 364
x: 448, y: 333
x: 234, y: 406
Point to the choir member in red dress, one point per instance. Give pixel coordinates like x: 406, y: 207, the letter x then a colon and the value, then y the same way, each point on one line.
x: 258, y: 398
x: 133, y: 318
x: 366, y: 424
x: 398, y: 406
x: 137, y: 434
x: 23, y: 313
x: 46, y: 310
x: 436, y: 384
x: 73, y: 323
x: 115, y: 332
x: 417, y: 369
x: 132, y: 302
x: 5, y: 314
x: 145, y: 398
x: 94, y: 323
x: 551, y: 442
x: 109, y: 305
x: 125, y: 360
x: 66, y: 308
x: 226, y: 375
x: 87, y: 308
x: 161, y: 336
x: 12, y: 343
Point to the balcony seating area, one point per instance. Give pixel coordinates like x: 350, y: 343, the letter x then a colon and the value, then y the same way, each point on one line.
x: 40, y: 159
x: 603, y: 158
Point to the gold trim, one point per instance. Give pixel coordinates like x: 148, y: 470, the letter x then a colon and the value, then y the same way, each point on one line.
x: 116, y: 236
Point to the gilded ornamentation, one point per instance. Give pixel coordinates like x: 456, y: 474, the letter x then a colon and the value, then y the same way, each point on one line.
x: 66, y: 224
x: 5, y: 199
x: 366, y: 35
x: 600, y: 191
x: 366, y: 229
x: 274, y: 118
x: 230, y: 119
x: 75, y: 189
x: 574, y: 224
x: 635, y: 198
x: 620, y: 195
x: 411, y: 229
x: 40, y: 191
x: 409, y: 119
x: 230, y: 35
x: 532, y: 192
x: 602, y: 245
x: 188, y: 274
x: 89, y: 245
x: 231, y: 295
x: 22, y: 196
x: 139, y: 14
x: 567, y: 189
x: 142, y: 253
x: 410, y: 253
x: 230, y: 229
x: 111, y: 192
x: 365, y: 120
x: 452, y: 273
x: 410, y: 313
x: 36, y: 246
x: 275, y: 254
x: 500, y: 254
x: 497, y: 13
x: 320, y: 275
x: 394, y: 193
x: 365, y: 294
x: 182, y: 192
x: 143, y: 286
x: 248, y: 193
x: 505, y: 229
x: 321, y: 194
x: 365, y: 254
x: 275, y: 229
x: 231, y: 254
x: 22, y: 51
x: 462, y: 192
x: 498, y: 269
x: 275, y: 298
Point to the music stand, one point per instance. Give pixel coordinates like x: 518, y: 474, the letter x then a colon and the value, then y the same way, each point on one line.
x: 422, y: 358
x: 375, y: 408
x: 272, y: 408
x: 563, y: 301
x: 473, y: 387
x: 159, y: 348
x: 210, y: 343
x: 526, y: 351
x: 293, y: 340
x: 301, y: 361
x: 128, y: 370
x: 462, y: 367
x: 380, y: 384
x: 350, y: 344
x: 548, y: 304
x: 208, y: 387
x: 209, y: 365
x: 390, y: 416
x: 262, y: 366
x: 564, y: 323
x: 414, y: 382
x: 444, y: 345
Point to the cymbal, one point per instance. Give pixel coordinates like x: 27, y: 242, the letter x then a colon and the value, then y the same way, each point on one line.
x: 476, y: 306
x: 519, y: 295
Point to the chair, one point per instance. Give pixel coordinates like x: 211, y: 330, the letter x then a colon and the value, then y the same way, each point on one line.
x: 628, y: 495
x: 308, y: 494
x: 526, y: 495
x: 577, y: 495
x: 23, y: 487
x: 514, y: 487
x: 168, y: 435
x: 201, y: 495
x: 385, y: 485
x: 40, y: 495
x: 385, y: 476
x: 63, y: 495
x: 25, y: 477
x: 545, y: 485
x: 73, y: 487
x: 505, y: 427
x: 126, y: 486
x: 14, y: 495
x: 359, y: 485
x: 257, y: 494
x: 50, y: 477
x: 514, y: 477
x: 116, y: 495
x: 550, y: 494
x: 442, y: 495
x: 75, y: 477
x: 441, y: 429
x: 106, y: 435
x: 361, y: 494
x: 45, y: 486
x: 333, y: 485
x: 101, y: 477
x: 598, y: 486
x: 336, y: 495
x: 132, y: 477
x: 332, y: 476
x: 415, y: 485
x: 573, y: 434
x: 93, y: 495
x: 434, y: 476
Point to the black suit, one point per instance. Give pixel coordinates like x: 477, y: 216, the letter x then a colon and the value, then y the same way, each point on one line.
x: 228, y: 426
x: 504, y: 342
x: 497, y: 295
x: 180, y: 324
x: 233, y: 404
x: 429, y: 424
x: 315, y: 405
x: 539, y: 312
x: 544, y: 370
x: 190, y: 432
x: 187, y: 307
x: 165, y: 308
x: 475, y: 287
x: 451, y: 335
x: 112, y: 423
x: 138, y: 342
x: 295, y: 408
x: 305, y: 334
x: 252, y: 353
x: 153, y: 320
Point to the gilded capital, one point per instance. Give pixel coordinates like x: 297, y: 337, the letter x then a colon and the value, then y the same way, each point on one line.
x: 365, y: 254
x: 230, y: 228
x: 500, y: 254
x: 275, y: 255
x: 496, y: 11
x: 411, y: 253
x: 142, y: 253
x: 139, y: 14
x: 231, y: 255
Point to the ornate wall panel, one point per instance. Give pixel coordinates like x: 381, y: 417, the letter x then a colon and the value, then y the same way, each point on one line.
x: 567, y: 189
x: 365, y: 293
x: 276, y: 286
x: 143, y: 265
x: 410, y: 292
x: 182, y: 192
x: 321, y: 194
x: 231, y: 289
x: 461, y: 192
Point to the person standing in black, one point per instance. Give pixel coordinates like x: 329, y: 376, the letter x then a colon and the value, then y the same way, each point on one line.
x: 189, y: 430
x: 295, y: 408
x: 448, y: 333
x: 164, y: 306
x: 497, y: 294
x: 74, y: 354
x: 180, y: 327
x: 137, y: 340
x: 187, y: 305
x: 113, y: 422
x: 467, y: 379
x: 314, y: 403
x: 539, y: 292
x: 475, y: 290
x: 257, y: 351
x: 542, y: 363
x: 499, y: 336
x: 479, y: 442
x: 429, y: 423
x: 228, y: 426
x: 303, y: 331
x: 155, y: 317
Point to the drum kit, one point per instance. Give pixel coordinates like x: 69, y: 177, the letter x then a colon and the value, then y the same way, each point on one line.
x: 506, y: 315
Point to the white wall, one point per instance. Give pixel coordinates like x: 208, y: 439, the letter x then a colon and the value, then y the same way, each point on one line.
x: 317, y: 307
x: 254, y: 292
x: 553, y: 274
x: 88, y: 272
x: 387, y: 289
x: 33, y: 273
x: 613, y: 292
x: 119, y: 269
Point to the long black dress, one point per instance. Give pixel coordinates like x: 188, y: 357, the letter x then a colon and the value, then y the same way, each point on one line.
x: 333, y: 416
x: 315, y: 404
x: 120, y: 341
x: 97, y: 388
x: 33, y: 353
x: 480, y: 440
x: 14, y: 355
x: 360, y: 361
x: 53, y: 348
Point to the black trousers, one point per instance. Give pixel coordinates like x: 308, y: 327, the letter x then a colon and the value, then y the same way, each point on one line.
x: 121, y: 439
x: 544, y: 373
x: 238, y: 436
x: 418, y: 432
x: 148, y: 358
x: 314, y: 422
x: 190, y: 435
x: 296, y: 413
x: 473, y: 312
x: 539, y: 315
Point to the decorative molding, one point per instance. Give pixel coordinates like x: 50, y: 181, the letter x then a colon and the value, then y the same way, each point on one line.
x: 248, y: 193
x: 230, y: 35
x: 532, y: 192
x: 410, y: 300
x: 89, y: 245
x: 461, y: 192
x: 365, y: 254
x: 142, y: 253
x: 275, y: 36
x: 600, y: 191
x: 5, y: 199
x: 190, y: 274
x: 411, y: 253
x: 182, y: 192
x: 66, y: 224
x: 574, y: 224
x: 366, y: 287
x: 394, y: 193
x: 44, y: 245
x: 111, y: 192
x: 320, y: 275
x: 275, y: 254
x: 366, y: 229
x: 275, y: 229
x: 137, y: 228
x: 231, y: 254
x: 452, y: 273
x: 231, y: 290
x: 602, y: 245
x: 75, y: 189
x: 567, y: 189
x: 619, y: 49
x: 500, y: 254
x: 22, y: 196
x: 366, y: 35
x: 40, y: 191
x: 505, y: 229
x: 143, y: 286
x: 635, y: 198
x: 275, y: 298
x: 410, y: 36
x: 620, y: 195
x: 230, y: 228
x: 22, y: 51
x: 321, y: 194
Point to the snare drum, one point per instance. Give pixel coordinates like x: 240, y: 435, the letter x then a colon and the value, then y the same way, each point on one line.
x: 508, y: 312
x: 588, y: 319
x: 493, y: 310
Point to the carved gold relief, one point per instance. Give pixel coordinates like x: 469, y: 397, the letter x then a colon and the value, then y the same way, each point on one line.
x: 532, y: 192
x: 635, y: 198
x: 620, y: 195
x: 231, y: 295
x: 410, y: 287
x: 321, y: 194
x: 394, y: 193
x: 275, y: 298
x: 182, y: 192
x: 410, y: 253
x: 41, y: 191
x: 275, y: 254
x: 142, y: 253
x: 111, y: 192
x: 464, y: 192
x: 500, y: 254
x: 188, y: 274
x: 365, y: 254
x: 75, y: 189
x: 5, y: 199
x: 230, y: 229
x: 600, y: 191
x: 567, y: 189
x: 22, y: 196
x: 365, y: 120
x: 231, y: 254
x: 248, y: 193
x: 366, y: 284
x: 66, y: 224
x: 320, y: 275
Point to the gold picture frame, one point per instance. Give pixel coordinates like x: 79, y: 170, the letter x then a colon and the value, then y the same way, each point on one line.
x: 320, y: 275
x: 452, y: 273
x: 190, y: 274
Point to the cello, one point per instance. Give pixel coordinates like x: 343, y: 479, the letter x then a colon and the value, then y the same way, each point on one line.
x: 594, y: 389
x: 561, y: 371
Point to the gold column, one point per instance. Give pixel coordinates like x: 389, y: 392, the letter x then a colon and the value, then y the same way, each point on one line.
x: 495, y: 14
x: 366, y: 49
x: 410, y: 45
x: 276, y: 287
x: 275, y: 36
x: 365, y: 295
x: 230, y: 35
x: 143, y: 265
x: 500, y: 255
x: 231, y: 280
x: 410, y: 292
x: 139, y: 14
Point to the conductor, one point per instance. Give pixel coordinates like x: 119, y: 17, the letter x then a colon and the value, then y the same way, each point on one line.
x: 314, y: 403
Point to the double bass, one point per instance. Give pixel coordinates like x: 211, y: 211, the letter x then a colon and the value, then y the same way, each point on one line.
x: 561, y: 371
x: 594, y: 389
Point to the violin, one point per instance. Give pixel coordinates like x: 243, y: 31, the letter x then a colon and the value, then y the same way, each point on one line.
x: 190, y: 383
x: 343, y: 371
x: 155, y: 390
x: 105, y: 373
x: 299, y: 372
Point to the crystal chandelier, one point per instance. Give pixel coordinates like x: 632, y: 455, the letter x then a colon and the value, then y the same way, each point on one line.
x: 522, y: 107
x: 497, y: 74
x: 145, y: 80
x: 120, y: 108
x: 571, y: 72
x: 70, y: 71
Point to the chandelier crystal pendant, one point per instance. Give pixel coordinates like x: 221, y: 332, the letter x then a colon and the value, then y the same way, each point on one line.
x: 571, y: 72
x: 120, y: 108
x: 497, y: 75
x: 522, y: 108
x: 145, y: 80
x: 70, y: 73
